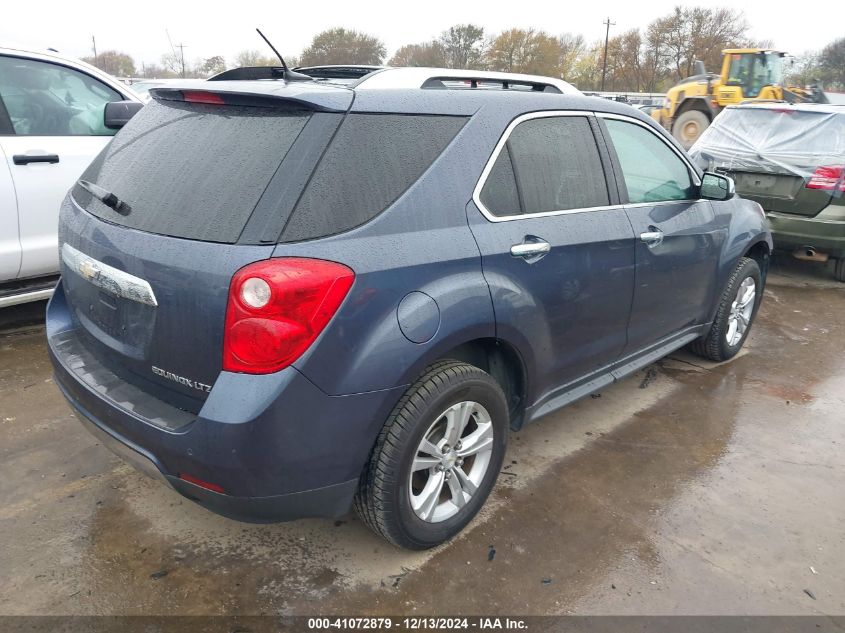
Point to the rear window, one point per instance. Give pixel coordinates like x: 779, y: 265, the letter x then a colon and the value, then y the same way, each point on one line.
x: 372, y: 161
x: 191, y: 170
x: 198, y: 172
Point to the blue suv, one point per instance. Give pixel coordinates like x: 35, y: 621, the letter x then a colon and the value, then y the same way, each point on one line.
x: 288, y: 297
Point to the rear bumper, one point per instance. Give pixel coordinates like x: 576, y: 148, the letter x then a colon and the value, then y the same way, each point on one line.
x: 278, y: 446
x: 824, y: 232
x: 329, y: 501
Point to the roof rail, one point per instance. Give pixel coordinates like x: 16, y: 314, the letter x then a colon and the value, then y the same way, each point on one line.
x: 455, y: 79
x: 483, y: 83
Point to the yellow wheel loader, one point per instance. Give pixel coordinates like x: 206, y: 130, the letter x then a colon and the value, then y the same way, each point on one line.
x: 748, y: 74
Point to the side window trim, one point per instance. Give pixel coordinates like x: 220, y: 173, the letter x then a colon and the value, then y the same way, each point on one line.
x: 617, y: 167
x: 488, y: 167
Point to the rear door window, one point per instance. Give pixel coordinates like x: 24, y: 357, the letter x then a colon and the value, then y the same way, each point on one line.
x: 191, y: 170
x: 372, y: 161
x: 652, y: 171
x: 547, y: 164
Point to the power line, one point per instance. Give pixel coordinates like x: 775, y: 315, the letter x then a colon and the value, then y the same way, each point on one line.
x: 608, y: 24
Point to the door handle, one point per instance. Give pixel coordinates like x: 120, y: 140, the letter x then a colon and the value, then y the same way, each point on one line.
x: 26, y: 159
x: 532, y: 250
x: 652, y: 238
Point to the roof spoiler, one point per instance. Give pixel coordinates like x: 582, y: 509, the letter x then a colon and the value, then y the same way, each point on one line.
x: 283, y: 97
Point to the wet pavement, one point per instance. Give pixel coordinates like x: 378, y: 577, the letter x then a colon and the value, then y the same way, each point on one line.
x: 688, y: 488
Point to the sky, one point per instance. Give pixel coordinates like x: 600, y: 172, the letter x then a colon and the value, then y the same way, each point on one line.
x: 141, y: 28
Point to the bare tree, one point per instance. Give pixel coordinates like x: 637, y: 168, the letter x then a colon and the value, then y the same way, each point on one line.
x: 631, y: 69
x: 697, y: 33
x: 525, y: 51
x: 571, y: 47
x: 114, y: 63
x: 586, y: 73
x: 172, y: 63
x: 212, y: 65
x: 428, y: 54
x: 463, y: 46
x: 343, y: 46
x: 832, y: 63
x: 155, y: 71
x: 653, y: 62
x: 804, y: 70
x: 253, y: 57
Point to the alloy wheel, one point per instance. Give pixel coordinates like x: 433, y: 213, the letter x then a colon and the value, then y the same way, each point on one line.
x: 742, y: 307
x: 451, y: 461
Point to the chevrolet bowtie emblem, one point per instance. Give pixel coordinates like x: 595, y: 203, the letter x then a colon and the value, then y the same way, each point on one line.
x: 88, y: 269
x: 108, y: 278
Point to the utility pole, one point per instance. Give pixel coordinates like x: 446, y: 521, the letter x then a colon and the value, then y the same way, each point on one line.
x: 94, y: 42
x: 181, y: 48
x: 608, y: 24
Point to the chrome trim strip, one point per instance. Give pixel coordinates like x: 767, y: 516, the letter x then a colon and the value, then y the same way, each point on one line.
x: 108, y: 278
x: 26, y: 297
x: 660, y: 203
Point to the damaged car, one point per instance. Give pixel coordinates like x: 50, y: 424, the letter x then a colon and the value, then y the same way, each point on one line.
x: 791, y: 160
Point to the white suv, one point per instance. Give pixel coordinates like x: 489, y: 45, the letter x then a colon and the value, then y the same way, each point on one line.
x: 52, y: 124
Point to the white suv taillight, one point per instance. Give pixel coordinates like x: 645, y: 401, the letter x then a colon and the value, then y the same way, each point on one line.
x: 277, y: 308
x: 828, y: 178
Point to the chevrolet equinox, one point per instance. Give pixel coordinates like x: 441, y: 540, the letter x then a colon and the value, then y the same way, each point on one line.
x: 286, y: 298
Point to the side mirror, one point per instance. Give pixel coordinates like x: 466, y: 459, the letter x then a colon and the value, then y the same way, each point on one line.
x: 118, y: 113
x: 717, y: 187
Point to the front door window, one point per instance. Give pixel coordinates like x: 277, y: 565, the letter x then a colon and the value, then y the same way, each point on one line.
x: 44, y: 99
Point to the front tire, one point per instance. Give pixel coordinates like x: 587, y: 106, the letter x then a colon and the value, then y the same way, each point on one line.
x: 689, y: 126
x: 437, y: 457
x: 738, y: 305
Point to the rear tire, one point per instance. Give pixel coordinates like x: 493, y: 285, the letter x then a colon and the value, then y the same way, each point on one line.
x: 413, y: 461
x: 839, y: 269
x: 735, y: 314
x: 689, y: 126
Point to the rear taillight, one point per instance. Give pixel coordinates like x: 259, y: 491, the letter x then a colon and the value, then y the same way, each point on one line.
x: 277, y: 308
x: 828, y: 178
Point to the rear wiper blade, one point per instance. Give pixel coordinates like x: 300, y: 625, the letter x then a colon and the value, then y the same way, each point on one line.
x: 106, y: 197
